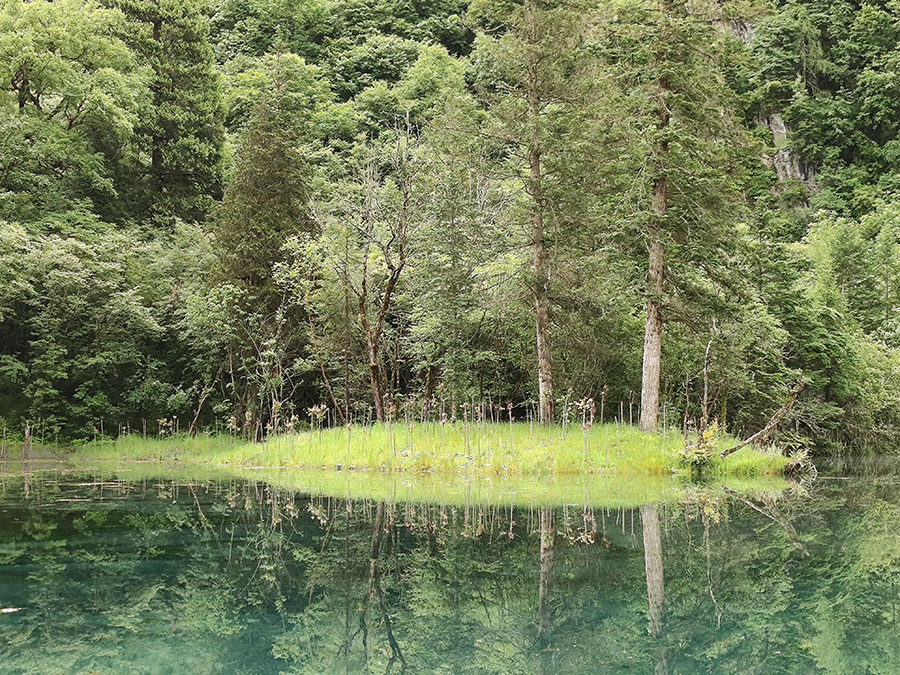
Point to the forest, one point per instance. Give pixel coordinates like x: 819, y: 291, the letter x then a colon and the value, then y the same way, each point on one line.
x: 250, y: 216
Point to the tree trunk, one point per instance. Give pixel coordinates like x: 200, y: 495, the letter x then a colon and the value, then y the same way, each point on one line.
x: 545, y: 614
x: 542, y: 323
x: 653, y: 566
x: 192, y: 431
x: 653, y: 326
x: 375, y: 381
x: 23, y: 91
x: 773, y: 422
x: 652, y: 342
x: 541, y: 272
x: 430, y: 382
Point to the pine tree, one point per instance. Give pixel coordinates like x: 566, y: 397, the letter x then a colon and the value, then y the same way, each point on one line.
x: 267, y: 199
x: 669, y: 54
x: 540, y: 87
x: 181, y: 130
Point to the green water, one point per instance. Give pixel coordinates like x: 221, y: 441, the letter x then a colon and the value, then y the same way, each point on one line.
x: 235, y: 576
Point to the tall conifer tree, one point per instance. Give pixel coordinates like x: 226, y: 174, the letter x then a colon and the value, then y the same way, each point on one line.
x: 182, y: 127
x: 267, y: 199
x: 670, y: 55
x: 539, y: 84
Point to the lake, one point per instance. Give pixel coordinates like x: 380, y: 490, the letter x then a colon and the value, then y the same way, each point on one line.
x: 107, y: 571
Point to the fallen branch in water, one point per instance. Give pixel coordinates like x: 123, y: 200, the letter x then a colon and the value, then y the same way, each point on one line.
x: 776, y: 418
x: 775, y: 515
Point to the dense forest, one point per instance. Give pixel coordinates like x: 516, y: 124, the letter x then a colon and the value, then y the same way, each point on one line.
x: 246, y: 215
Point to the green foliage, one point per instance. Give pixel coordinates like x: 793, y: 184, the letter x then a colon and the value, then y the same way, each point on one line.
x: 267, y: 199
x: 829, y: 68
x: 698, y: 453
x: 180, y: 126
x: 357, y: 179
x: 356, y: 40
x: 86, y: 326
x: 69, y: 93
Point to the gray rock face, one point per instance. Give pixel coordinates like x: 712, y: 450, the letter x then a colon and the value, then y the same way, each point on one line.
x: 743, y: 30
x: 787, y: 163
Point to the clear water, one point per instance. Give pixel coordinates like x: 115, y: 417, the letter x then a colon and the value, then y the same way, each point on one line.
x: 173, y: 576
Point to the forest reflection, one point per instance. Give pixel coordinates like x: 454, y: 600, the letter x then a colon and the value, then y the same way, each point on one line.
x: 219, y: 576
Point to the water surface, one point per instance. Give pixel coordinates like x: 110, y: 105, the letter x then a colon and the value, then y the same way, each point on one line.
x: 172, y: 575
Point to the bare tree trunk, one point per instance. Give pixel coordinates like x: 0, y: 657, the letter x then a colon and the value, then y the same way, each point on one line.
x: 652, y: 342
x: 653, y: 326
x: 704, y: 411
x: 26, y: 446
x: 653, y: 566
x: 23, y: 92
x: 541, y: 272
x: 375, y: 381
x: 346, y: 337
x: 430, y: 382
x: 374, y: 331
x: 375, y: 591
x: 773, y: 422
x: 656, y: 593
x: 325, y: 379
x: 252, y: 420
x: 192, y: 430
x: 542, y: 321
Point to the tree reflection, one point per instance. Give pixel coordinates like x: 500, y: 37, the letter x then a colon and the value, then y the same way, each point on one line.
x: 545, y: 608
x: 237, y: 575
x: 656, y: 588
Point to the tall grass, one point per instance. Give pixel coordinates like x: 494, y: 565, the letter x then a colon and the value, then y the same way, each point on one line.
x: 473, y: 449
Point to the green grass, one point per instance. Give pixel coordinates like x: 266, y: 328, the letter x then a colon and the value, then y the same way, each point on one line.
x: 608, y: 466
x: 474, y: 450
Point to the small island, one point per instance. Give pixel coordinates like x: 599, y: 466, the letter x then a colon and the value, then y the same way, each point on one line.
x: 461, y: 449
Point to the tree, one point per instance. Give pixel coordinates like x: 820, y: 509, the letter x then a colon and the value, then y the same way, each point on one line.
x: 539, y: 87
x: 465, y: 323
x: 265, y: 204
x: 368, y: 238
x: 181, y: 126
x: 69, y: 92
x: 670, y: 57
x: 88, y: 328
x: 267, y: 200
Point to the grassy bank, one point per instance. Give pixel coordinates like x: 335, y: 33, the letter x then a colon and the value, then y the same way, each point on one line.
x: 483, y: 450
